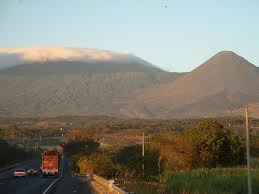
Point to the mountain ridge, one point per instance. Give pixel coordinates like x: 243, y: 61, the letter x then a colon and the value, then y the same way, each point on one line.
x: 71, y: 87
x: 127, y: 86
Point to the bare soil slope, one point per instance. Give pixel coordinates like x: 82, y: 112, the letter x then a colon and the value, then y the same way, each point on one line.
x: 220, y: 85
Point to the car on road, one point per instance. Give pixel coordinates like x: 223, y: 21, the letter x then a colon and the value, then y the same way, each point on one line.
x: 32, y: 171
x: 19, y: 173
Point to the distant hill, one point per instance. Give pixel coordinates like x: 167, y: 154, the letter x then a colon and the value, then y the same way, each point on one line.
x: 47, y: 82
x: 220, y: 86
x: 70, y: 81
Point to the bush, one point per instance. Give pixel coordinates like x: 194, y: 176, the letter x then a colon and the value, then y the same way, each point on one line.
x: 75, y: 149
x: 176, y: 152
x: 207, y: 145
x: 97, y: 163
x: 130, y: 160
x: 216, y: 146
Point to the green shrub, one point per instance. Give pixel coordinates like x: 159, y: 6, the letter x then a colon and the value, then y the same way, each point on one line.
x: 216, y: 145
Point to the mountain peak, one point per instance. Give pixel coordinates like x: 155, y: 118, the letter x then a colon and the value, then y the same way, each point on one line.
x: 225, y: 80
x: 225, y: 54
x: 226, y: 61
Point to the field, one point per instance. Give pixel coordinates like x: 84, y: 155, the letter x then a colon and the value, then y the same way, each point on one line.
x: 206, y: 181
x: 219, y: 180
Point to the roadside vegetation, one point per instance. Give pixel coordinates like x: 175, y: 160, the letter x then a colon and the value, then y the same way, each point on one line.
x: 213, y: 181
x: 14, y: 153
x: 176, y: 160
x: 180, y: 154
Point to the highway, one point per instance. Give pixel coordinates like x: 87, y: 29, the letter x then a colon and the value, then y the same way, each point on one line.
x: 64, y: 184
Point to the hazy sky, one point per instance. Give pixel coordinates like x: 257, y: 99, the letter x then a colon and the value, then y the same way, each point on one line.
x: 177, y: 38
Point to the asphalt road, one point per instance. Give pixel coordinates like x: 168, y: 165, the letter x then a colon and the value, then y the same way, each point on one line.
x: 37, y: 185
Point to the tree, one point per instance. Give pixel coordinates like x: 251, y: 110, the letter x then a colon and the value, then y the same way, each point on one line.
x: 2, y: 134
x: 4, y: 148
x: 216, y: 146
x: 77, y: 148
x: 176, y: 151
x: 206, y: 145
x: 130, y: 159
x: 97, y: 163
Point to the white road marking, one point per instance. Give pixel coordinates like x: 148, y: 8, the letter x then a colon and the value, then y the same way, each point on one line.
x: 46, y: 191
x: 51, y: 185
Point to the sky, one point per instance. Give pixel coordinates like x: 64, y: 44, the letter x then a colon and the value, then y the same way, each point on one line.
x: 174, y: 35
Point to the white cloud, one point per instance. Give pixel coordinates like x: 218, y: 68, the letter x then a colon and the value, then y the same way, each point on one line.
x: 63, y: 53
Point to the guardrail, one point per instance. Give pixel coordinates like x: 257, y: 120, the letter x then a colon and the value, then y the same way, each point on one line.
x: 106, y: 186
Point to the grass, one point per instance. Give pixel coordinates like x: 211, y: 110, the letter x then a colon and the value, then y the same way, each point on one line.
x: 205, y: 181
x: 142, y: 187
x: 255, y: 162
x: 218, y: 180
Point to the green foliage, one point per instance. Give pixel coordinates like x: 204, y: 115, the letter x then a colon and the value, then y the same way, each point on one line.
x: 130, y: 159
x: 1, y: 133
x: 4, y: 148
x: 216, y: 146
x: 218, y: 180
x: 208, y: 144
x: 12, y: 153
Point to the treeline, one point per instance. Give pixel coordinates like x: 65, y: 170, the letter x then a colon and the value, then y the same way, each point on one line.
x: 14, y: 153
x: 205, y: 145
x: 15, y: 132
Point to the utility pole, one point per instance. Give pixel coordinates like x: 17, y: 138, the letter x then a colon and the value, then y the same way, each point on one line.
x: 249, y: 187
x: 143, y: 153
